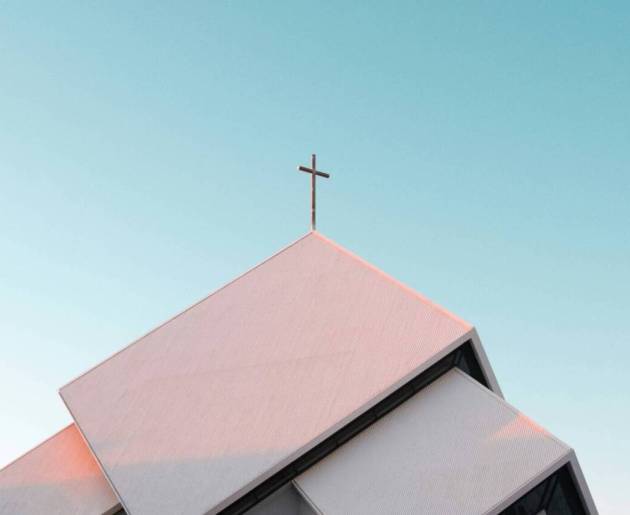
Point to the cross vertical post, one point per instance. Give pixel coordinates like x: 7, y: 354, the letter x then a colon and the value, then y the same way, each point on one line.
x: 314, y: 173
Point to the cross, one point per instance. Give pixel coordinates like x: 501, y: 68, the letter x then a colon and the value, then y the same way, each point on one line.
x: 314, y: 173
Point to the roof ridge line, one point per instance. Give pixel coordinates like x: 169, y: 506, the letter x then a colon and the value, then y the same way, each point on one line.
x: 392, y: 279
x: 133, y: 342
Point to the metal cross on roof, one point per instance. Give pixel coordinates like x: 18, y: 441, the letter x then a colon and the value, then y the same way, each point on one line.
x: 314, y: 173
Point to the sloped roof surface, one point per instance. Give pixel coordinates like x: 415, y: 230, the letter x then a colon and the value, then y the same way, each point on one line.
x: 58, y: 477
x: 453, y: 448
x: 195, y: 413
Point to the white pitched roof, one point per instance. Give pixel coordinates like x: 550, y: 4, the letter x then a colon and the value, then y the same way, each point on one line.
x: 58, y: 477
x: 195, y: 413
x: 453, y: 448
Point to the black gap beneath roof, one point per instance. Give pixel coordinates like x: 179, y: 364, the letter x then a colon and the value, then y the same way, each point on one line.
x: 556, y: 495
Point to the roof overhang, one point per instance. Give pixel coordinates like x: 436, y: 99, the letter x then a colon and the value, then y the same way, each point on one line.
x: 455, y: 447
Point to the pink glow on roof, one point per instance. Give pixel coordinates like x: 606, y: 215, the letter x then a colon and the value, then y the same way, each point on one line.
x: 58, y: 476
x: 519, y: 427
x: 223, y: 393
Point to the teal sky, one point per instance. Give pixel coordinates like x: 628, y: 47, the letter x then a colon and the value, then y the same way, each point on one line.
x: 478, y: 151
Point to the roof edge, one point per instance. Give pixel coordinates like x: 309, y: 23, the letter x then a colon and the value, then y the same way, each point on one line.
x: 40, y: 444
x: 517, y: 412
x: 102, y: 362
x: 97, y: 460
x: 393, y: 280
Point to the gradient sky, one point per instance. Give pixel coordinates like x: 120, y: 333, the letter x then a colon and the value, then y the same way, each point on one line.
x: 479, y: 152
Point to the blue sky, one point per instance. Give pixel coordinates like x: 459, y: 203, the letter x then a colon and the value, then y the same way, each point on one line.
x: 478, y: 151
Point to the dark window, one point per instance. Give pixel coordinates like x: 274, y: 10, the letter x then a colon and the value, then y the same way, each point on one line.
x: 557, y: 495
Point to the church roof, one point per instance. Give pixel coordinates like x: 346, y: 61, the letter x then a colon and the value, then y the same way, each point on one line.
x: 208, y: 405
x: 58, y: 477
x: 453, y: 448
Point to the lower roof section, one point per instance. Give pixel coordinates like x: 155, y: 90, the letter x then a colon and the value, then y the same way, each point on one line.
x: 453, y: 448
x: 58, y: 477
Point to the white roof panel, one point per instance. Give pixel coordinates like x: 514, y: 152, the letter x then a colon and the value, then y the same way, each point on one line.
x: 455, y: 447
x: 58, y: 477
x: 195, y: 413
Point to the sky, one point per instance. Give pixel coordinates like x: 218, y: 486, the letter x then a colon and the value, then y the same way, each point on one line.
x: 478, y: 153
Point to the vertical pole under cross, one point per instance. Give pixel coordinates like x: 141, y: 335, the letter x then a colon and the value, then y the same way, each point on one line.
x: 313, y: 182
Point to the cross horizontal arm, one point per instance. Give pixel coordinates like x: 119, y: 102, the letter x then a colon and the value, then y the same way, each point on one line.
x: 310, y: 170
